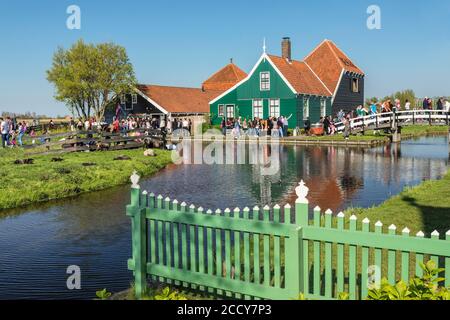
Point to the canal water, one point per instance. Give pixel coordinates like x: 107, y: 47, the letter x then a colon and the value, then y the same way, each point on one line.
x: 38, y: 243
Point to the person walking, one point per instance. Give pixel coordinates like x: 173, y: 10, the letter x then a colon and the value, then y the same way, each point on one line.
x: 280, y: 126
x: 425, y: 104
x: 223, y: 126
x: 307, y: 126
x: 20, y: 133
x: 326, y: 125
x: 4, y: 129
x: 346, y: 129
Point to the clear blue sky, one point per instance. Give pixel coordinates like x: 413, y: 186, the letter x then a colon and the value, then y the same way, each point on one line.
x: 182, y: 42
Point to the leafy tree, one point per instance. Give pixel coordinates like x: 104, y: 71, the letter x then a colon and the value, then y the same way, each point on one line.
x: 405, y: 95
x: 369, y: 101
x: 87, y: 77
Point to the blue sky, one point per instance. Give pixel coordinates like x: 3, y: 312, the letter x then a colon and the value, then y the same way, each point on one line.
x: 183, y: 42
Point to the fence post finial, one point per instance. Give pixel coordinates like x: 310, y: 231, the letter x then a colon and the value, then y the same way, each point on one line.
x: 135, y: 180
x: 302, y: 192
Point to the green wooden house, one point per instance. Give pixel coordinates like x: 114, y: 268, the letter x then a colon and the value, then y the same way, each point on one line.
x: 276, y: 86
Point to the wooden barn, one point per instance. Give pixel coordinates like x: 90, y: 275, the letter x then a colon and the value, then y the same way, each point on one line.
x: 175, y: 102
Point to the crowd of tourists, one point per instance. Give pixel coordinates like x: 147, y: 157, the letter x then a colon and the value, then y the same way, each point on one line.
x: 132, y: 123
x: 274, y: 126
x: 12, y: 132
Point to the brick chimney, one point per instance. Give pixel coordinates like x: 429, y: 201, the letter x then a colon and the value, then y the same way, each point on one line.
x: 286, y: 48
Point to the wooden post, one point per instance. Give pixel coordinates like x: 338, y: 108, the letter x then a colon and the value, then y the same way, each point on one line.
x: 300, y: 257
x: 447, y: 263
x: 137, y: 211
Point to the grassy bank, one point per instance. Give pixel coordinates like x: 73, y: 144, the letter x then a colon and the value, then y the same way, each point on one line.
x: 425, y: 207
x: 78, y: 173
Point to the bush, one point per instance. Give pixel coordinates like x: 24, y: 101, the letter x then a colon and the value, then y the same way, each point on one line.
x: 423, y: 288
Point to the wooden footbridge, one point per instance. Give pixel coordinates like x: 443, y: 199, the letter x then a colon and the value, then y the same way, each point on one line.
x: 394, y: 121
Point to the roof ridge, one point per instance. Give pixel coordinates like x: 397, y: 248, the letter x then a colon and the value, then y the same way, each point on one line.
x: 166, y: 86
x: 335, y: 55
x: 344, y: 54
x: 318, y: 78
x: 315, y: 49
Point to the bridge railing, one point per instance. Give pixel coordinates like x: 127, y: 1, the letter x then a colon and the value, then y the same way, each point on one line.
x: 263, y: 254
x: 399, y: 118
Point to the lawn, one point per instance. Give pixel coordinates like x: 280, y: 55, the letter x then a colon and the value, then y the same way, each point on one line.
x: 425, y: 207
x: 46, y: 180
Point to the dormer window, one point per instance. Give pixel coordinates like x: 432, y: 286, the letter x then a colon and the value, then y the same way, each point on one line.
x: 264, y: 81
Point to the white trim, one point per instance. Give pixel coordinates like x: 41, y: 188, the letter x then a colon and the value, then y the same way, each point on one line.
x: 151, y: 101
x: 253, y: 108
x: 260, y: 80
x: 226, y: 111
x: 318, y: 77
x: 240, y: 82
x: 223, y: 110
x: 323, y: 100
x: 337, y: 86
x: 279, y: 107
x: 309, y: 107
x: 264, y: 56
x: 133, y: 101
x: 282, y: 76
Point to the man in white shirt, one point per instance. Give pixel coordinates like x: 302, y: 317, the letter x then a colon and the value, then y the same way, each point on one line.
x: 446, y: 105
x: 407, y: 105
x: 4, y: 129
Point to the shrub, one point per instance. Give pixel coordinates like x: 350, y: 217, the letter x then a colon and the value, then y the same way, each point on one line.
x: 423, y: 288
x: 103, y: 294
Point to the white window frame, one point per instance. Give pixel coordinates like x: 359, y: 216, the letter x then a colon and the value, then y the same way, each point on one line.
x: 123, y: 99
x: 221, y: 114
x: 264, y: 85
x: 229, y: 107
x: 134, y: 98
x: 258, y: 103
x: 323, y: 108
x: 305, y: 108
x: 274, y: 108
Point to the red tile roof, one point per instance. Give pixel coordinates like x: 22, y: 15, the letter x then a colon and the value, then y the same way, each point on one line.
x: 225, y: 78
x: 180, y: 100
x: 328, y: 61
x: 300, y: 76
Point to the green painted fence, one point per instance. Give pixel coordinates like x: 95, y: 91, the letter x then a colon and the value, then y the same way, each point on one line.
x: 261, y: 254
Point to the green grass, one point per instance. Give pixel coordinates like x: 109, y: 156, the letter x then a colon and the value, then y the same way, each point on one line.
x: 45, y: 180
x: 425, y: 207
x: 417, y: 130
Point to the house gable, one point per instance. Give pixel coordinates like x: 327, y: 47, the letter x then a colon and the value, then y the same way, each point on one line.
x: 264, y: 64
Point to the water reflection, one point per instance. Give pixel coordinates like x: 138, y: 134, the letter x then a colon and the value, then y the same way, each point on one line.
x: 38, y: 243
